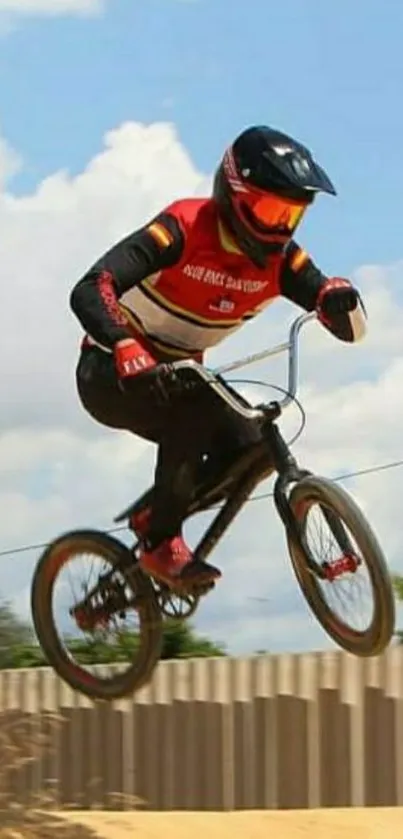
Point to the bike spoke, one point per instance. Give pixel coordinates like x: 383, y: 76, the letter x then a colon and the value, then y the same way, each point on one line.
x: 109, y: 631
x: 347, y: 593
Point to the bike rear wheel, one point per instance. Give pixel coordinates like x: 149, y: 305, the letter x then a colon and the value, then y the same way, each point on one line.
x: 123, y: 588
x: 344, y: 520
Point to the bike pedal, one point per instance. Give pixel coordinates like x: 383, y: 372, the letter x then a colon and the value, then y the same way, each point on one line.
x: 182, y: 586
x: 199, y: 589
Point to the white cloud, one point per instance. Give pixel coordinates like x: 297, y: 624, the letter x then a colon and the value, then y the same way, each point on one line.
x: 50, y: 7
x: 50, y: 237
x: 9, y: 163
x: 58, y: 469
x: 10, y: 10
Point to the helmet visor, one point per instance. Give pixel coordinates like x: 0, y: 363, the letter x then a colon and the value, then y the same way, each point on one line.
x: 273, y: 211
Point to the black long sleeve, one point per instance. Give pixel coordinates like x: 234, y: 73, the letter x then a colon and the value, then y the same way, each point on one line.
x: 301, y: 282
x: 94, y: 299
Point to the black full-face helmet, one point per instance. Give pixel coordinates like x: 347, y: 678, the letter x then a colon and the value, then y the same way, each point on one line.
x: 263, y: 186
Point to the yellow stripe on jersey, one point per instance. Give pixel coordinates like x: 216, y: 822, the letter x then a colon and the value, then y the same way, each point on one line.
x: 298, y: 260
x: 160, y: 234
x: 158, y: 343
x: 226, y: 241
x: 149, y: 290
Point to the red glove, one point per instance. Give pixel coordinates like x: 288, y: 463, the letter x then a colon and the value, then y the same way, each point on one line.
x: 337, y: 296
x: 132, y: 358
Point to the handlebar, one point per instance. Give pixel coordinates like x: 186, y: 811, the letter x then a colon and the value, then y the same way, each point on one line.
x: 212, y: 377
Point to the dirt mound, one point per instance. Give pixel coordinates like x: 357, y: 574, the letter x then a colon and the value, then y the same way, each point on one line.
x: 315, y: 824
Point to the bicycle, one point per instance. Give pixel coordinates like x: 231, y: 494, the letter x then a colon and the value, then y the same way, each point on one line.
x: 125, y: 587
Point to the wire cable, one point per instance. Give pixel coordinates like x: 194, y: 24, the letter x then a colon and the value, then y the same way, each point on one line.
x: 395, y: 464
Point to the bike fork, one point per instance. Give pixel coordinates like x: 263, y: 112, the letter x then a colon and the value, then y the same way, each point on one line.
x: 290, y: 473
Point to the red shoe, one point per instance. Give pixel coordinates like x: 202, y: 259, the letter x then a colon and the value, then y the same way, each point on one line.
x: 171, y: 563
x: 139, y: 522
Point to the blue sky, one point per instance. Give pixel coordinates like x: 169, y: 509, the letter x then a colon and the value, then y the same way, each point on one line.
x: 331, y: 73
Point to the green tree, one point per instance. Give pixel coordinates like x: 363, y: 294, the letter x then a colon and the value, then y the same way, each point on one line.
x: 181, y: 641
x: 18, y: 647
x: 397, y: 582
x: 15, y: 635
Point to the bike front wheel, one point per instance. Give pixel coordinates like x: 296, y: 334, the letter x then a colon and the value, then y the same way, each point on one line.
x: 338, y: 572
x: 108, y: 660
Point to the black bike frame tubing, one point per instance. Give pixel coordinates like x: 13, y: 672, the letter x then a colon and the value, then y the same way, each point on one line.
x: 259, y: 468
x: 236, y: 500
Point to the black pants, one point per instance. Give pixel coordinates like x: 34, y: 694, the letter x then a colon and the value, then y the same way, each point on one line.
x: 185, y: 428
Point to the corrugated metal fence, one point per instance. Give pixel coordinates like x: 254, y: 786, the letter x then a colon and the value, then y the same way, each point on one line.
x: 286, y: 731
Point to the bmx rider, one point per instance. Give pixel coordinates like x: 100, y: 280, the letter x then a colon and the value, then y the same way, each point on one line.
x: 182, y: 283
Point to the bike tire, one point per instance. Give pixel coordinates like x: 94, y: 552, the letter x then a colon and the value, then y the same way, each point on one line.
x: 116, y: 686
x: 374, y: 640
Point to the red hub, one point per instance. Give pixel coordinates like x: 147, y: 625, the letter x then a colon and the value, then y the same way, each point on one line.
x: 346, y: 564
x: 87, y: 620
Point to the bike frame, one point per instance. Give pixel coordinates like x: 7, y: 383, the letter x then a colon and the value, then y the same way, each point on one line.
x: 271, y: 454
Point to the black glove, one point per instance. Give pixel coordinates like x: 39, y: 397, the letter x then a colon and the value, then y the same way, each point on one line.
x: 337, y: 297
x: 164, y: 381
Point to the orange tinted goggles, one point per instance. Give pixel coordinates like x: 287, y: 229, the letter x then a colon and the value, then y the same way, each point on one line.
x: 273, y: 211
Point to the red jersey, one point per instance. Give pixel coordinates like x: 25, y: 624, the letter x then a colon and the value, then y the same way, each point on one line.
x: 208, y: 293
x: 182, y: 282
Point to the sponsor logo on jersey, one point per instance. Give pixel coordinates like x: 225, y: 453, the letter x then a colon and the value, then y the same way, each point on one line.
x: 223, y: 280
x: 221, y: 304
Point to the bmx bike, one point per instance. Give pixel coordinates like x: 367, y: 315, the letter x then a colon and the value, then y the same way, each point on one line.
x: 124, y: 588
